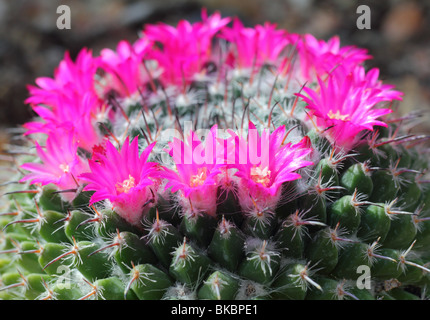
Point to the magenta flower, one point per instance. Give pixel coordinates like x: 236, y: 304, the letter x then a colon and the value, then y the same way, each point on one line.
x: 254, y: 47
x: 68, y: 101
x: 60, y: 165
x: 264, y: 162
x: 197, y: 170
x: 69, y: 117
x: 73, y: 77
x: 370, y: 79
x: 124, y: 178
x: 318, y: 57
x: 345, y: 108
x: 186, y: 49
x: 125, y: 67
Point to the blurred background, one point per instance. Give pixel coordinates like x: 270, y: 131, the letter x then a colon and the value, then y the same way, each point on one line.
x: 31, y: 45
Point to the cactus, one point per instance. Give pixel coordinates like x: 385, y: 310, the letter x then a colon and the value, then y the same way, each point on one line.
x: 211, y: 160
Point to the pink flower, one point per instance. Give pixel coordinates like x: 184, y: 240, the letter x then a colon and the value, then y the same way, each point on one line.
x: 68, y: 101
x: 254, y: 47
x: 124, y: 178
x: 319, y: 57
x: 345, y: 108
x: 70, y: 77
x: 71, y: 118
x: 185, y: 49
x: 370, y: 79
x: 60, y: 165
x: 125, y: 66
x: 196, y: 173
x: 264, y: 162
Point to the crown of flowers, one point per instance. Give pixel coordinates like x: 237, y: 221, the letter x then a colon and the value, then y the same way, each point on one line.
x: 214, y: 73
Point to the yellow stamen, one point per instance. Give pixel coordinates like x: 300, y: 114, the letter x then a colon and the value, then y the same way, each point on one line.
x: 199, y: 178
x: 260, y: 175
x: 338, y: 116
x: 126, y: 185
x: 65, y: 168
